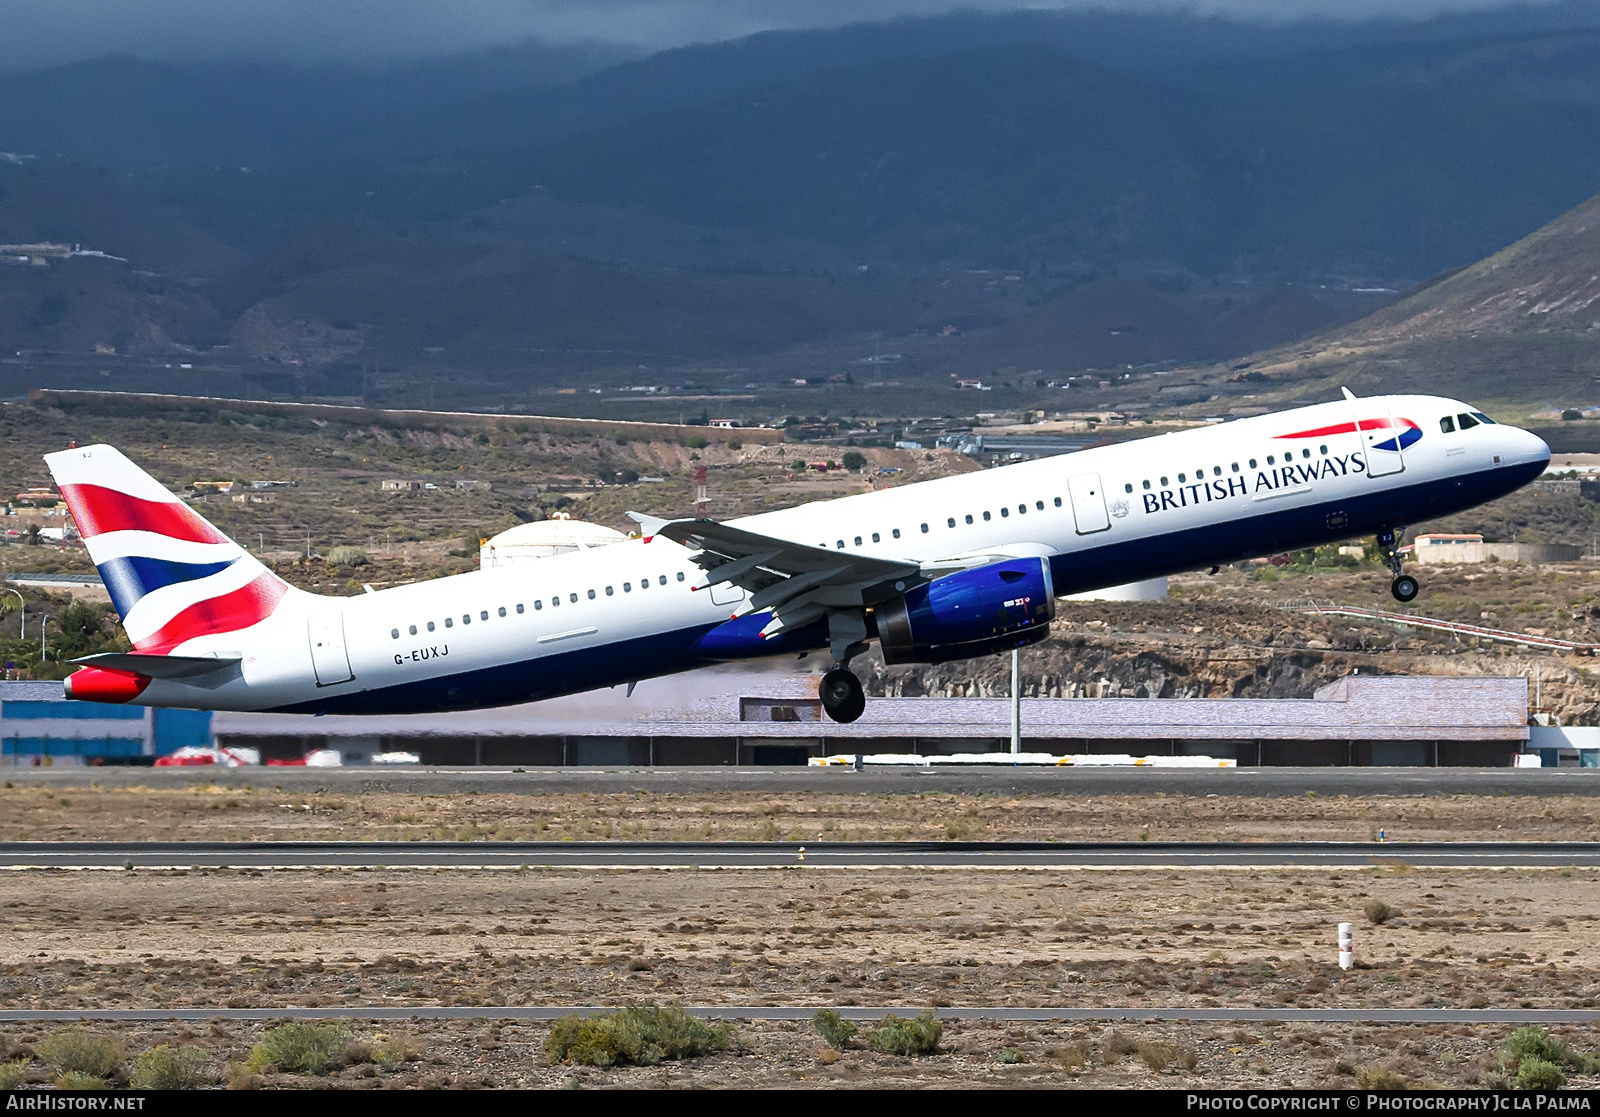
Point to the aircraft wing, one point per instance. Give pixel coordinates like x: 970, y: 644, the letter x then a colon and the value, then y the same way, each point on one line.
x: 800, y: 584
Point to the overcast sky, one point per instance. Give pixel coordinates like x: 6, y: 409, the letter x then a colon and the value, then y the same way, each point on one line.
x: 41, y: 32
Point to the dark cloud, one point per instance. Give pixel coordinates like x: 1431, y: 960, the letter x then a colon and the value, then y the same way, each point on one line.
x: 42, y: 32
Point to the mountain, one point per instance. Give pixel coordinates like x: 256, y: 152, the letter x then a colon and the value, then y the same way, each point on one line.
x: 1519, y: 330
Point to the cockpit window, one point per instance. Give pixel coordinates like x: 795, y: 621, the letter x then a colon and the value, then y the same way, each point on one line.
x: 1467, y: 421
x: 1482, y: 418
x: 1447, y: 425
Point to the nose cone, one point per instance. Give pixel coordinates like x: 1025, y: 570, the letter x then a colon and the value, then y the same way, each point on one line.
x: 1524, y: 448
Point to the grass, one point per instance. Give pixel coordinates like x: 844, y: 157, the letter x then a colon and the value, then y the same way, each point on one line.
x: 896, y: 1035
x: 165, y: 1067
x: 1380, y: 1078
x: 639, y: 1035
x: 833, y: 1028
x: 300, y: 1048
x: 78, y: 1080
x: 1379, y: 912
x: 13, y: 1074
x: 1531, y: 1058
x: 76, y: 1051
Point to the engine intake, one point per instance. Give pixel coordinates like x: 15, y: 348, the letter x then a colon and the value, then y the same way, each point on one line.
x: 977, y: 612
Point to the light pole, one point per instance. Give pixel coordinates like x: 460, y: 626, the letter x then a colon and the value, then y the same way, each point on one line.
x: 42, y: 649
x: 1016, y: 700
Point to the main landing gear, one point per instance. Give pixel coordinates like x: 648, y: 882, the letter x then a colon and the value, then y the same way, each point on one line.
x: 840, y: 690
x: 841, y: 695
x: 1404, y: 587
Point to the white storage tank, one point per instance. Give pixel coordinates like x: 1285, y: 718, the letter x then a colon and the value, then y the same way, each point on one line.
x: 555, y: 536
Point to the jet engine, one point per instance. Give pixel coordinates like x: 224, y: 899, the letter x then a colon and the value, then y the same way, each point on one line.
x: 976, y: 612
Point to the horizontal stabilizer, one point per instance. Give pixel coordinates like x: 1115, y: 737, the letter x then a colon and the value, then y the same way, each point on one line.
x: 648, y: 524
x: 159, y: 666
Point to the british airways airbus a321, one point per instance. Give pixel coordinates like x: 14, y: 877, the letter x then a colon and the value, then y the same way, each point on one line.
x: 948, y: 569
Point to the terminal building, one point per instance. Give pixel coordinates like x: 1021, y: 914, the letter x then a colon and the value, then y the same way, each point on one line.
x: 40, y: 727
x: 1358, y: 720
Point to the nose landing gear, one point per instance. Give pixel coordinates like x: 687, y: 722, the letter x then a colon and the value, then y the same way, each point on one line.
x: 1404, y: 587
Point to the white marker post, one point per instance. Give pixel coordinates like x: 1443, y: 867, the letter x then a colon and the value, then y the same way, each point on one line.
x: 1347, y: 945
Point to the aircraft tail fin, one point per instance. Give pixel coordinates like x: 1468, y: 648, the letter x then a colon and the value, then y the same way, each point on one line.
x: 171, y: 575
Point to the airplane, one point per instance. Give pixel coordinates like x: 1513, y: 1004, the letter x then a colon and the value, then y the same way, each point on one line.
x: 947, y: 569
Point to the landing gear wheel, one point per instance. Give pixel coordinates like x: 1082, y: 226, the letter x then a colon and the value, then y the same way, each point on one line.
x: 1404, y: 588
x: 841, y: 695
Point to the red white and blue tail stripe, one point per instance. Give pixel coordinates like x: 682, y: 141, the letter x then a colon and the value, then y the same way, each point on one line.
x: 171, y: 575
x: 1406, y: 433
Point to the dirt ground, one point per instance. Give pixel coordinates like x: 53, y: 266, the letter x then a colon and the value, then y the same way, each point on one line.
x: 782, y: 1054
x: 207, y: 812
x: 1251, y: 938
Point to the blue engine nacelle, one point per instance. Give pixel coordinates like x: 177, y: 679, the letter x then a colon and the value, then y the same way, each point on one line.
x: 977, y: 612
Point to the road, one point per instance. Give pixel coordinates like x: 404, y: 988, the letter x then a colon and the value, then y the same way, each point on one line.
x: 774, y: 855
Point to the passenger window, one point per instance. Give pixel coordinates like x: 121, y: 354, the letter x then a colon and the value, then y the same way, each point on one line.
x: 1005, y: 512
x: 519, y: 607
x: 448, y: 623
x: 466, y: 618
x: 627, y: 587
x: 858, y: 541
x: 986, y: 517
x: 1252, y: 463
x: 430, y: 626
x: 572, y: 597
x: 555, y: 602
x: 1270, y: 459
x: 1130, y: 489
x: 1181, y: 479
x: 537, y: 605
x: 1022, y: 509
x: 1038, y: 505
x: 503, y: 610
x: 969, y: 517
x: 896, y: 533
x: 1467, y: 422
x: 680, y: 576
x: 663, y: 579
x: 1236, y: 467
x: 591, y: 595
x: 1164, y: 482
x: 483, y: 615
x: 1216, y: 471
x: 841, y: 544
x: 1146, y: 485
x: 1447, y: 425
x: 951, y: 521
x: 413, y: 630
x: 644, y: 583
x: 1324, y: 450
x: 1306, y: 453
x: 924, y: 529
x: 875, y: 537
x: 394, y: 634
x: 608, y: 592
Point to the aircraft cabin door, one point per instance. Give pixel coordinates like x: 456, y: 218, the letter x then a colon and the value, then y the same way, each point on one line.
x: 329, y: 659
x: 1088, y: 498
x: 1380, y: 440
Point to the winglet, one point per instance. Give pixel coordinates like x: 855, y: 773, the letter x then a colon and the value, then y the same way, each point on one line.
x: 1348, y: 394
x: 648, y: 525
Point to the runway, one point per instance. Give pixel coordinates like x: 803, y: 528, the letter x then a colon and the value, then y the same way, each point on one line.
x: 805, y: 1012
x: 998, y: 780
x: 791, y: 855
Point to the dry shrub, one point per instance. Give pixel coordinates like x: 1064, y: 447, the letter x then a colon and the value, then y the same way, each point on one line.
x: 1380, y: 1078
x: 75, y: 1050
x: 169, y: 1068
x: 13, y: 1074
x: 1161, y: 1054
x: 78, y: 1080
x: 389, y: 1052
x: 1118, y: 1046
x: 835, y: 1030
x: 299, y: 1048
x: 640, y: 1035
x: 897, y: 1036
x: 1379, y: 912
x: 828, y: 1056
x: 1074, y: 1055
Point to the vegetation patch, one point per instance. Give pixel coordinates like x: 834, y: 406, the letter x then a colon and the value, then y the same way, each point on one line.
x: 896, y: 1035
x: 833, y: 1028
x: 74, y: 1050
x: 300, y: 1049
x: 639, y: 1035
x: 165, y: 1067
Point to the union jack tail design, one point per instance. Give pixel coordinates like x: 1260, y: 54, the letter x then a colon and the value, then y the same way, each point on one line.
x: 172, y: 576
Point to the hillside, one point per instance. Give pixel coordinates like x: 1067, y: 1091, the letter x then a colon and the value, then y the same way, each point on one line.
x: 1520, y: 330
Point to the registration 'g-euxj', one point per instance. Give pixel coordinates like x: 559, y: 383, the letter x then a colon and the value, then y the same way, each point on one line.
x: 947, y: 569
